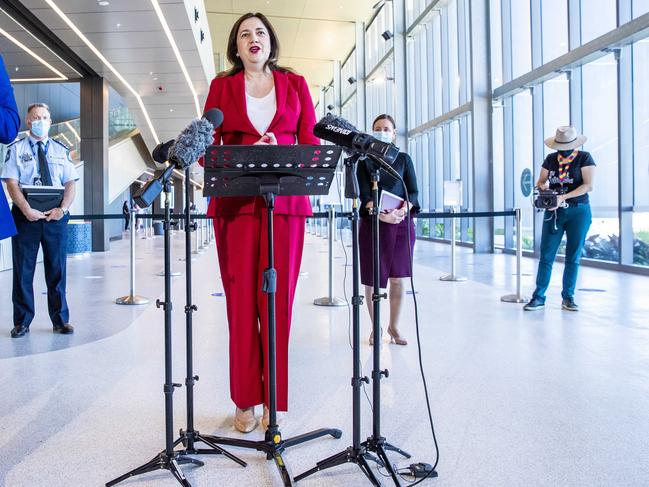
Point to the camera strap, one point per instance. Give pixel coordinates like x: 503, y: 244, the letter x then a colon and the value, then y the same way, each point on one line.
x: 564, y: 164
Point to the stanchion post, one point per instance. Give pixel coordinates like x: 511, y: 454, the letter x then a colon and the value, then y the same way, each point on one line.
x: 132, y: 298
x: 518, y: 297
x: 452, y: 276
x: 330, y: 300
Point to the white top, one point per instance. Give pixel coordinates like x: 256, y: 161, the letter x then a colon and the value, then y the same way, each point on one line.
x: 261, y: 110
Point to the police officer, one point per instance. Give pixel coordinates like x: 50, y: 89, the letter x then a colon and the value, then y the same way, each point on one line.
x: 39, y: 160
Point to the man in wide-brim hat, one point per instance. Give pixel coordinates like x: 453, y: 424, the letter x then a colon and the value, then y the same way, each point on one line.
x: 569, y: 172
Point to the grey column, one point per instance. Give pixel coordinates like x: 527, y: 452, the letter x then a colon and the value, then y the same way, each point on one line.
x: 94, y: 153
x: 400, y: 80
x: 483, y: 197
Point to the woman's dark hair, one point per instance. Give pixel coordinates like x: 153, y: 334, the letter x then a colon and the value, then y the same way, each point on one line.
x: 237, y: 63
x: 384, y: 116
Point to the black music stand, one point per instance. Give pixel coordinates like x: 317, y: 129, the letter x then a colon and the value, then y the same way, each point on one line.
x: 269, y: 171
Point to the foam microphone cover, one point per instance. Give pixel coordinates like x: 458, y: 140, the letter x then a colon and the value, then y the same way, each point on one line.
x: 214, y: 116
x: 323, y: 130
x: 192, y: 142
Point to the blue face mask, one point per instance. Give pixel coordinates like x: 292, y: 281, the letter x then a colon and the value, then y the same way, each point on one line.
x: 383, y: 136
x: 41, y: 128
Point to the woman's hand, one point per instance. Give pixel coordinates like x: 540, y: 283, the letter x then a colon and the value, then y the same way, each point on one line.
x: 392, y: 216
x: 267, y: 139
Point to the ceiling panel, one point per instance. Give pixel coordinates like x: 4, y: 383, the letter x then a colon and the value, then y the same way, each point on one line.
x: 324, y: 40
x: 286, y: 8
x: 91, y: 6
x: 117, y: 40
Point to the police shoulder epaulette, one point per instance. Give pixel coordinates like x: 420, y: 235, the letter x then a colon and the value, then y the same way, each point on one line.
x: 16, y: 141
x: 61, y: 144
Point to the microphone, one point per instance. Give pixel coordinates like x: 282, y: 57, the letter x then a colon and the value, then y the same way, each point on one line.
x: 342, y: 133
x: 191, y: 144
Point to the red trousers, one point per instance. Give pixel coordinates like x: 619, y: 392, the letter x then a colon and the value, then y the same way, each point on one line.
x: 242, y: 244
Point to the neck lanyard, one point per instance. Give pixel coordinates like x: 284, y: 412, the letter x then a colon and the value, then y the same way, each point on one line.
x: 564, y: 164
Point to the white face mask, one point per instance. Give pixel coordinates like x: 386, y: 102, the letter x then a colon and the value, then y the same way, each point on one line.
x: 41, y: 128
x: 383, y: 136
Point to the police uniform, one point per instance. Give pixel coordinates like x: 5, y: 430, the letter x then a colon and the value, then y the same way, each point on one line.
x: 22, y: 164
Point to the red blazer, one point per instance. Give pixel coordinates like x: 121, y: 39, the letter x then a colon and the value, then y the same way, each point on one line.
x: 293, y: 123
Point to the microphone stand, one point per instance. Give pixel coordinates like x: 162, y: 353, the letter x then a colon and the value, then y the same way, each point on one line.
x: 357, y: 453
x: 169, y: 459
x: 190, y: 436
x: 377, y: 443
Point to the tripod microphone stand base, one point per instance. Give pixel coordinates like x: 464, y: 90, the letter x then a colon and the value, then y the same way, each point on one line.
x: 273, y: 445
x: 162, y: 462
x: 189, y: 440
x: 350, y: 455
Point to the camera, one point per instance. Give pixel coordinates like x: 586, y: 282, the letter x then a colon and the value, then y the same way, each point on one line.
x: 545, y: 199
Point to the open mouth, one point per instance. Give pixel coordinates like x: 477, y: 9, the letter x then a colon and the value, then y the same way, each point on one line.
x: 255, y: 49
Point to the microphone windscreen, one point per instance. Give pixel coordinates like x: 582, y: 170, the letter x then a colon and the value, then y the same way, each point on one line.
x: 215, y: 117
x: 161, y: 152
x: 337, y: 130
x: 192, y: 143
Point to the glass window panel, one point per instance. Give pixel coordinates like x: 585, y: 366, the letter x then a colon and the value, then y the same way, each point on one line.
x: 641, y: 152
x: 498, y: 174
x: 523, y: 159
x: 453, y: 74
x: 555, y: 28
x: 412, y: 96
x: 556, y: 106
x: 640, y: 7
x: 437, y: 61
x: 455, y: 152
x: 597, y: 18
x: 641, y: 124
x: 641, y: 239
x: 496, y: 43
x: 438, y: 231
x: 521, y: 37
x: 600, y: 126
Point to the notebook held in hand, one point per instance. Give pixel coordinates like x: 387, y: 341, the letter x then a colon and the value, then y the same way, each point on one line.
x: 43, y: 198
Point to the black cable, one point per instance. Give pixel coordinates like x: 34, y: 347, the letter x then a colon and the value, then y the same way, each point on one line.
x: 414, y: 298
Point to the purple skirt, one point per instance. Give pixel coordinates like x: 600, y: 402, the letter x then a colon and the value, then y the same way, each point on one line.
x: 394, y: 258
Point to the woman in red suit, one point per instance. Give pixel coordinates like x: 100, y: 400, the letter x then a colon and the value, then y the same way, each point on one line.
x: 262, y: 103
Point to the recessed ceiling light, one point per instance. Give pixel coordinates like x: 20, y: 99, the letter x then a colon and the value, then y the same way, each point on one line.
x: 155, y: 79
x: 17, y: 68
x: 103, y: 3
x: 171, y: 110
x: 150, y: 73
x: 119, y: 25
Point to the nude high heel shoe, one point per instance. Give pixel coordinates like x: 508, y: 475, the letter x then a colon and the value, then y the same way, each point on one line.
x: 396, y: 338
x: 372, y: 336
x: 244, y: 420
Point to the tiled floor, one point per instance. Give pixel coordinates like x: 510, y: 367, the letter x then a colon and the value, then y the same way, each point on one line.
x: 549, y: 398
